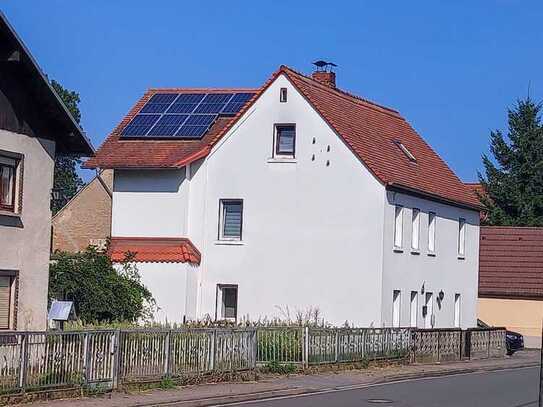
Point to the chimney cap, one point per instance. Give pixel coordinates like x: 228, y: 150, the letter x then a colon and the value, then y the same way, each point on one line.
x: 324, y: 65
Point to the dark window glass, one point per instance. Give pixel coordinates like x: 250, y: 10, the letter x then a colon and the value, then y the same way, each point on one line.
x: 232, y: 217
x: 230, y: 302
x: 285, y: 140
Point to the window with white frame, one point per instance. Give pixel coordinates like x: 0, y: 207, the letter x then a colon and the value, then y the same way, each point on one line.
x: 457, y: 299
x: 461, y: 237
x: 415, y: 229
x: 8, y: 175
x: 283, y: 95
x: 431, y: 232
x: 231, y: 219
x: 396, y: 308
x: 227, y: 301
x: 285, y: 140
x: 398, y: 226
x: 413, y: 310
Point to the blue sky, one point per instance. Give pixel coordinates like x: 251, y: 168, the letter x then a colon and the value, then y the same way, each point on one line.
x: 451, y: 67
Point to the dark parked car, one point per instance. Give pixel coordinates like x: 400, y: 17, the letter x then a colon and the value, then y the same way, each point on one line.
x: 513, y: 340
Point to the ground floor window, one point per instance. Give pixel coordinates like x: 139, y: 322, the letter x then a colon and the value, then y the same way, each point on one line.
x: 227, y: 301
x: 6, y: 301
x: 396, y: 307
x: 457, y: 310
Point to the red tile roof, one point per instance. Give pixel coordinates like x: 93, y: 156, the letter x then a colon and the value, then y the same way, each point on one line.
x: 154, y: 249
x: 371, y: 131
x: 511, y: 262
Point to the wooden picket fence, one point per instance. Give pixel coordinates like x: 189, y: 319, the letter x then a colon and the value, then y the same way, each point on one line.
x: 110, y: 358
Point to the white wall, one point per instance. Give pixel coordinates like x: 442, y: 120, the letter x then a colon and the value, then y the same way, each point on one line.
x: 173, y: 288
x: 149, y: 203
x: 312, y: 233
x: 407, y: 271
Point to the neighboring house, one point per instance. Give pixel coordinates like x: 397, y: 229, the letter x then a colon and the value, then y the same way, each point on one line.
x: 511, y: 280
x: 245, y: 202
x: 34, y: 126
x: 86, y: 219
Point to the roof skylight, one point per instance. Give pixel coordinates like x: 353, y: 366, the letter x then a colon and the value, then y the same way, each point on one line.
x: 405, y: 150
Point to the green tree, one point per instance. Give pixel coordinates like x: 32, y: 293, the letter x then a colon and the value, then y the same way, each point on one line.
x: 513, y: 182
x: 100, y: 293
x: 66, y: 179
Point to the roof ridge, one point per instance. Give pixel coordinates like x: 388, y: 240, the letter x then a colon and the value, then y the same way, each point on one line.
x: 345, y: 94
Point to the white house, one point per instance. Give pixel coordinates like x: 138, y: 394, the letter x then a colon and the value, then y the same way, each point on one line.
x: 246, y: 202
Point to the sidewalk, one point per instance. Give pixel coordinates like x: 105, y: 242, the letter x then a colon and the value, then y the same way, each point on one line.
x: 270, y: 386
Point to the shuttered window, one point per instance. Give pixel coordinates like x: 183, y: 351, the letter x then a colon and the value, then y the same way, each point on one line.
x: 285, y: 140
x: 5, y: 301
x: 231, y: 219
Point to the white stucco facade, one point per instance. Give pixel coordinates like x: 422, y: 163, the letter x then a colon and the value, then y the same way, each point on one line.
x: 317, y: 229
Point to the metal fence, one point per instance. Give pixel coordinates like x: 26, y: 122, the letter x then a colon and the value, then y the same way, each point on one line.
x: 109, y: 358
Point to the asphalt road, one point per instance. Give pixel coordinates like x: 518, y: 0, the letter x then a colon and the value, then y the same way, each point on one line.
x: 507, y: 388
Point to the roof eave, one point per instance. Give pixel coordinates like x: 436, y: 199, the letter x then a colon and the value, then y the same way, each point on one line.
x: 438, y: 198
x: 86, y: 149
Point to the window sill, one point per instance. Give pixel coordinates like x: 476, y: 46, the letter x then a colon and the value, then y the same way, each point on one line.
x: 397, y: 250
x: 229, y: 243
x: 431, y: 254
x: 415, y: 252
x: 461, y: 257
x: 278, y: 160
x: 11, y: 214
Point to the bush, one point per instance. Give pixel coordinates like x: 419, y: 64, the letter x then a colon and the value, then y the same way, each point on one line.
x: 100, y: 292
x: 274, y: 366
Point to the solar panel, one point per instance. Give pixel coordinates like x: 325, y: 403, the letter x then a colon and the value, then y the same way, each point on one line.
x: 159, y: 102
x: 213, y: 102
x: 237, y: 102
x: 186, y: 103
x: 196, y: 125
x: 140, y: 124
x: 168, y: 125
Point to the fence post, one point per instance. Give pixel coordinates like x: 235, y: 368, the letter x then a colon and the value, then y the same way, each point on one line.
x: 214, y: 350
x: 488, y: 344
x: 116, y: 358
x: 167, y: 353
x: 22, y: 363
x: 337, y: 345
x: 438, y: 346
x: 306, y: 347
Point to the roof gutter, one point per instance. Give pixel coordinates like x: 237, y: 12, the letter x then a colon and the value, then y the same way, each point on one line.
x: 413, y: 191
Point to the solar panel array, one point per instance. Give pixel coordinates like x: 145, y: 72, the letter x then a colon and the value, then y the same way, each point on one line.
x: 183, y: 115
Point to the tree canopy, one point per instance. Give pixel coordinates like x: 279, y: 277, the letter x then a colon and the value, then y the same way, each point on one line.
x: 66, y: 179
x: 100, y: 292
x: 513, y: 181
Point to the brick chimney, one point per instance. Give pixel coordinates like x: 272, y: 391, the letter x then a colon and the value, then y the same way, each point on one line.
x: 326, y: 78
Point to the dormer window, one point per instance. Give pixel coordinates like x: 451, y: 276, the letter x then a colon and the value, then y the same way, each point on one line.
x: 406, y: 151
x: 285, y: 140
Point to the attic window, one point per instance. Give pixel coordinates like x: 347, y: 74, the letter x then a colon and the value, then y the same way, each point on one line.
x: 405, y: 150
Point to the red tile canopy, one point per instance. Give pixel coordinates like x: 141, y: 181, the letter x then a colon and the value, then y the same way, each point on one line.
x: 154, y: 249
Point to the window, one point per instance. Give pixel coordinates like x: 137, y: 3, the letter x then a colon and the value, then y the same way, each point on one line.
x: 457, y: 310
x: 428, y: 311
x: 461, y: 237
x: 431, y: 232
x: 285, y: 140
x: 413, y: 309
x: 8, y: 167
x: 231, y: 219
x: 227, y: 301
x: 396, y: 307
x: 415, y: 229
x: 5, y: 302
x: 283, y: 95
x: 398, y: 226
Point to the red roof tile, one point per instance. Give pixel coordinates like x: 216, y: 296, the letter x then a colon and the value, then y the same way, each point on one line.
x: 370, y: 131
x: 154, y: 249
x: 511, y: 262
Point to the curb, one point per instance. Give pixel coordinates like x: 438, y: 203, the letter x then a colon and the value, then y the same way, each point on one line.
x: 270, y: 394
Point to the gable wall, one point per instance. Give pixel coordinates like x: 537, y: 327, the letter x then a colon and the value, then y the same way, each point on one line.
x: 312, y: 233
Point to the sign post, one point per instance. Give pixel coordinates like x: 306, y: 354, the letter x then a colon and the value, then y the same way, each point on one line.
x: 541, y: 370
